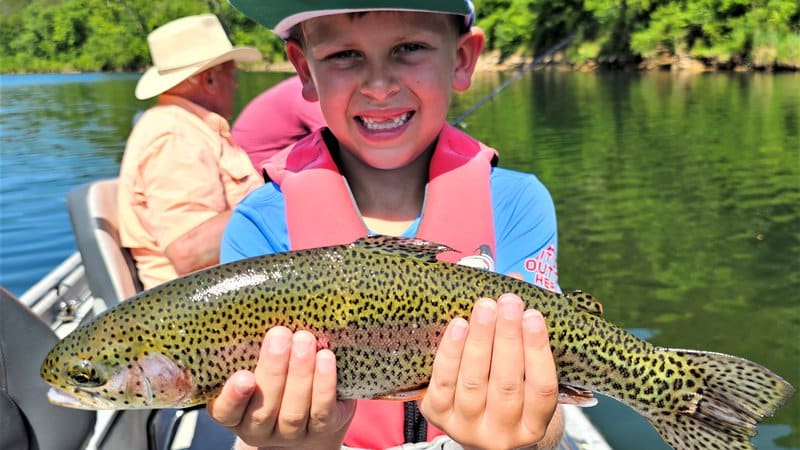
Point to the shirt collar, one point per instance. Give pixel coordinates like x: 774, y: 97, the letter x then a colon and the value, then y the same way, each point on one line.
x: 210, y: 118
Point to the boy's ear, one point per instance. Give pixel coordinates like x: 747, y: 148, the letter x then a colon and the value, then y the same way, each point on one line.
x: 470, y: 46
x: 298, y: 59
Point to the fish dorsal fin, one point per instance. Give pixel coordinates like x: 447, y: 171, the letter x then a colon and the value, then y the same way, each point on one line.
x: 398, y: 246
x: 586, y: 302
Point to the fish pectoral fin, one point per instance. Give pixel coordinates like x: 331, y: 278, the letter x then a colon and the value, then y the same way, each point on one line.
x: 587, y: 302
x: 570, y: 395
x: 405, y: 396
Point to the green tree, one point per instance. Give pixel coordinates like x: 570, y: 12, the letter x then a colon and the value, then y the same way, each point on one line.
x: 89, y: 35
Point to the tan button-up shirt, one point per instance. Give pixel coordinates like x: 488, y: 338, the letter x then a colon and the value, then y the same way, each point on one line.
x: 180, y: 168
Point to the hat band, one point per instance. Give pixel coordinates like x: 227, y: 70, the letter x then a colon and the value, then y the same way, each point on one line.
x: 168, y: 70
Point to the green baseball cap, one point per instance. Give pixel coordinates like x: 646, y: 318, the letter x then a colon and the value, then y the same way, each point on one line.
x: 281, y: 15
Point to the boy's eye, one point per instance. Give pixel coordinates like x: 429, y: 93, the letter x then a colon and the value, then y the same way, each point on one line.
x: 343, y: 54
x: 409, y: 47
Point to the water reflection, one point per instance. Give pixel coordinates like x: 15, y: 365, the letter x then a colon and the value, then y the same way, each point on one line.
x: 678, y: 198
x: 678, y: 202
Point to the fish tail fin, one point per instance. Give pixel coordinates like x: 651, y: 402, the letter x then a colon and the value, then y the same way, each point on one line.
x: 722, y: 413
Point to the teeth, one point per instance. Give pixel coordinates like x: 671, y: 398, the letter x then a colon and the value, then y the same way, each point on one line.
x: 373, y: 124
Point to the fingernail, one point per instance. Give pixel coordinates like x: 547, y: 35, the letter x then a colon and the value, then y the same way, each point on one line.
x: 277, y: 343
x: 458, y: 329
x: 532, y: 320
x: 303, y: 344
x: 244, y: 389
x: 510, y: 307
x: 485, y: 311
x: 326, y: 363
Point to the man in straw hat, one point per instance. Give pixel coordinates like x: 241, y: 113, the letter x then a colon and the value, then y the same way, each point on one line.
x: 181, y: 173
x: 387, y: 162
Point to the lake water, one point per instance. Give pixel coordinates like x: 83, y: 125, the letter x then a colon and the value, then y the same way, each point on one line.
x: 678, y: 198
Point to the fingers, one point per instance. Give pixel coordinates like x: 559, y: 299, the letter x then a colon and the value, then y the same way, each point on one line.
x: 262, y: 389
x: 494, y: 382
x: 470, y: 395
x: 541, y: 391
x: 504, y: 399
x: 299, y: 380
x: 229, y: 406
x: 289, y: 399
x: 273, y: 362
x: 327, y: 413
x: 323, y: 391
x: 444, y: 376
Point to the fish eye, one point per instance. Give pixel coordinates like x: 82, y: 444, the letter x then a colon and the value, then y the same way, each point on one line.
x: 85, y: 374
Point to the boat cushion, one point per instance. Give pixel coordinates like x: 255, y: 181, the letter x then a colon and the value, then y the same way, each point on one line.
x: 27, y: 419
x: 110, y: 269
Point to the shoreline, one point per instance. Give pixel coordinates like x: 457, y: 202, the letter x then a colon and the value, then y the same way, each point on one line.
x: 491, y: 61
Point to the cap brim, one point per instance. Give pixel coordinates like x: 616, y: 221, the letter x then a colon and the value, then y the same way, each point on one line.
x: 281, y: 16
x: 153, y: 82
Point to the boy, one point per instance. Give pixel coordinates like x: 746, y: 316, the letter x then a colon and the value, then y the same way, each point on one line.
x: 383, y: 72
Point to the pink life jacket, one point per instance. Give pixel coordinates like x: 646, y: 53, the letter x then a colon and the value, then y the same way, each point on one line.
x: 320, y: 211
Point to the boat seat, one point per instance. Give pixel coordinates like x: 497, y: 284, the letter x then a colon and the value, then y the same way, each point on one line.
x: 27, y: 419
x: 112, y: 277
x: 110, y: 268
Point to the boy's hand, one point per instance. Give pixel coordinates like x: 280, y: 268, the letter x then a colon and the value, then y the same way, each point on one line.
x: 290, y: 399
x: 494, y: 383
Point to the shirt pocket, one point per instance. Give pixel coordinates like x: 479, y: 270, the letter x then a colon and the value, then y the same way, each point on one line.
x: 236, y: 164
x: 238, y: 174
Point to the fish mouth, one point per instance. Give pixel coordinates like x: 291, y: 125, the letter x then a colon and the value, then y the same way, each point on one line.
x: 130, y: 381
x: 86, y: 400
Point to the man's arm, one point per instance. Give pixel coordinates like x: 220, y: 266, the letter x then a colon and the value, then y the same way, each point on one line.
x: 199, y: 247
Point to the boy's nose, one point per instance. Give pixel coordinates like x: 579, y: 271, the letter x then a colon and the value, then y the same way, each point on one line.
x: 379, y: 82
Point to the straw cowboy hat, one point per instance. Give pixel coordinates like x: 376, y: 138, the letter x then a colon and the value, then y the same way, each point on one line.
x: 184, y: 47
x: 281, y: 15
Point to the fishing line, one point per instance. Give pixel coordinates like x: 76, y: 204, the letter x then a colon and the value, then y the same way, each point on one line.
x: 519, y: 73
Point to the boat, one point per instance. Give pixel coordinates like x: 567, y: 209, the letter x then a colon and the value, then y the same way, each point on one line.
x: 96, y: 277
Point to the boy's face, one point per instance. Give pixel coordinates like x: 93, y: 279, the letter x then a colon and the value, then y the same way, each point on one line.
x: 384, y: 79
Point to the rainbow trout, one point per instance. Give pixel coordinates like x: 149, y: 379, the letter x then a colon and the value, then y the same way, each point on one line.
x: 381, y: 305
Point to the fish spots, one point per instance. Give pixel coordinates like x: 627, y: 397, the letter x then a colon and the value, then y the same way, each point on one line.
x: 381, y: 305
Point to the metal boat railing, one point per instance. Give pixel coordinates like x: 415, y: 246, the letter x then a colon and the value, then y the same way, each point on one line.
x: 62, y: 297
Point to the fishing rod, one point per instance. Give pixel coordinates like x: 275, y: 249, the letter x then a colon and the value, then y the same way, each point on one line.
x: 519, y: 73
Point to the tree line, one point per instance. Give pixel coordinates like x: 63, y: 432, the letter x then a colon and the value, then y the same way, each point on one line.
x: 110, y: 35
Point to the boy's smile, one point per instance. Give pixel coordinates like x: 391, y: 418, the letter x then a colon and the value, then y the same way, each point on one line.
x: 384, y: 79
x: 384, y: 122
